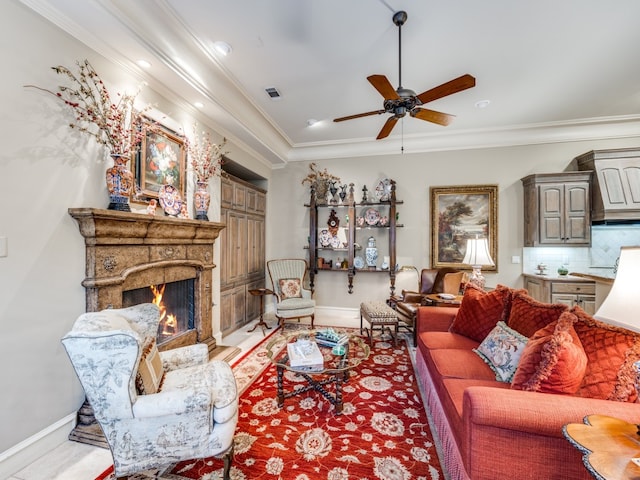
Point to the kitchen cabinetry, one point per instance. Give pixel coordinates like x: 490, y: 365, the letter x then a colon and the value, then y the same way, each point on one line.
x: 557, y: 209
x: 569, y: 292
x: 359, y: 222
x: 242, y: 252
x: 615, y: 193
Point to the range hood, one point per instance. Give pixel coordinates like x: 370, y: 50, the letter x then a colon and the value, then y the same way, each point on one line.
x: 615, y: 187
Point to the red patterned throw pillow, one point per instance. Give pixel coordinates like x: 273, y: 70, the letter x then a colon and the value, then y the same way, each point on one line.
x: 553, y: 360
x: 480, y: 311
x: 290, y: 288
x: 611, y: 352
x: 527, y: 315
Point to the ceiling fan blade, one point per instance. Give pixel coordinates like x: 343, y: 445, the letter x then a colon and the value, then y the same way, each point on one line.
x: 383, y: 86
x: 358, y: 115
x: 432, y: 116
x: 454, y: 86
x: 387, y: 127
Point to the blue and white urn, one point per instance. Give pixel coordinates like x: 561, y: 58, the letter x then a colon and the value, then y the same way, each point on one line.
x: 371, y: 253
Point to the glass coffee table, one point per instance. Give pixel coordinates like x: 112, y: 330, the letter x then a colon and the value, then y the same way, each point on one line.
x: 335, y: 369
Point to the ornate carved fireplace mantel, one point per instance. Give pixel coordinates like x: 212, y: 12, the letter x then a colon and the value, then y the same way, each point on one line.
x: 126, y: 251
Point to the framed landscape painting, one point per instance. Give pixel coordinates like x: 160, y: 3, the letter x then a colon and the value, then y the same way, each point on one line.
x: 160, y: 161
x: 459, y: 213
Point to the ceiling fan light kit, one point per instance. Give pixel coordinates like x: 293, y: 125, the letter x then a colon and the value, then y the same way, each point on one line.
x: 402, y: 100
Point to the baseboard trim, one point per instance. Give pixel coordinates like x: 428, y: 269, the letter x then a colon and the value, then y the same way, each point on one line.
x: 29, y: 450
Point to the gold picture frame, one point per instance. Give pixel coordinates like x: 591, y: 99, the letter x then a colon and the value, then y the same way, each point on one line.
x: 162, y: 156
x: 457, y: 214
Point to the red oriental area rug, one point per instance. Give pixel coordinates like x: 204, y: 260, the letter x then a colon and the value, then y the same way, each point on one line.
x: 383, y: 432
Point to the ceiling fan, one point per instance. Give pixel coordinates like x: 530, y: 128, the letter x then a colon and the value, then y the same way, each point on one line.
x: 402, y: 100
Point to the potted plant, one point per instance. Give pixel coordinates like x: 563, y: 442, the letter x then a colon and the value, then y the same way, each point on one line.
x: 320, y: 181
x: 113, y: 123
x: 206, y: 160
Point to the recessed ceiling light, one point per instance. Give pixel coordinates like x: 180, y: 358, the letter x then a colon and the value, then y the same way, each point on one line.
x: 198, y: 105
x: 483, y: 103
x: 143, y: 64
x: 223, y: 48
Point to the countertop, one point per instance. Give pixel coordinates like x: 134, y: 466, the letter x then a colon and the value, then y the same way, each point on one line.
x: 601, y: 276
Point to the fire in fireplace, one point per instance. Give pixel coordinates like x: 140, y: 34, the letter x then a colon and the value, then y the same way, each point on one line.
x: 176, y: 302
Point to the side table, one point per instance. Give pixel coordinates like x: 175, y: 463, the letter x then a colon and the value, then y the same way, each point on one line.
x: 609, y: 445
x: 434, y: 300
x: 261, y: 292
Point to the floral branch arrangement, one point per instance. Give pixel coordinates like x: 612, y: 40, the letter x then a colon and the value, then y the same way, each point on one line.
x: 116, y: 125
x: 316, y: 175
x: 205, y: 156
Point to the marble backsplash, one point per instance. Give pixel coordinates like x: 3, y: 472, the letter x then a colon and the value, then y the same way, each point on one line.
x: 601, y: 257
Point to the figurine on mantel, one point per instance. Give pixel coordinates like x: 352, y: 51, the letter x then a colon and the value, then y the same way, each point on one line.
x: 151, y: 208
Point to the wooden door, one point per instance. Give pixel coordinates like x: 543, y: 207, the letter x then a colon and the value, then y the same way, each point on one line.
x: 551, y: 207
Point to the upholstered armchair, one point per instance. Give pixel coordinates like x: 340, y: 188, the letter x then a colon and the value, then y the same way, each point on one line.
x: 291, y: 298
x: 155, y: 408
x: 432, y: 280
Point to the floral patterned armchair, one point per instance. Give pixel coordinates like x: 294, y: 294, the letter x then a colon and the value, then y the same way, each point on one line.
x: 155, y: 408
x: 292, y: 300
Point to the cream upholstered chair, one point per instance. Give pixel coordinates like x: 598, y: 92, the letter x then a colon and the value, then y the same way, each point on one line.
x: 192, y: 415
x: 292, y: 299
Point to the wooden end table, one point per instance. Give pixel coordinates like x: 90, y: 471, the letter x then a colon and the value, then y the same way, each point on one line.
x: 261, y: 292
x: 608, y: 444
x: 434, y: 300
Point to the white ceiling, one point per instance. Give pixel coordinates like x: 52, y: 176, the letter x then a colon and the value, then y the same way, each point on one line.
x: 554, y: 70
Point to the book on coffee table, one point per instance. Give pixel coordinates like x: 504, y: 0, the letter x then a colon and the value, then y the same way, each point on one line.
x: 305, y: 355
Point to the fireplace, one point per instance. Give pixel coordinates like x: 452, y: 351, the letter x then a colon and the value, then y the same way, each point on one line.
x: 129, y: 253
x: 176, y: 303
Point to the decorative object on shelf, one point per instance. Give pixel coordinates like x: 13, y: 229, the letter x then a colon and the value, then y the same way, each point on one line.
x: 320, y: 182
x: 358, y: 262
x: 333, y: 222
x: 477, y: 255
x: 383, y: 190
x: 116, y: 126
x: 371, y: 216
x: 183, y: 211
x: 364, y: 195
x: 324, y: 238
x: 385, y: 263
x: 205, y: 158
x: 343, y: 193
x: 119, y: 184
x: 469, y: 208
x: 333, y: 190
x: 542, y: 269
x: 562, y: 271
x: 335, y: 242
x: 360, y: 221
x: 162, y: 154
x: 384, y: 221
x: 351, y: 199
x: 371, y: 253
x: 170, y: 199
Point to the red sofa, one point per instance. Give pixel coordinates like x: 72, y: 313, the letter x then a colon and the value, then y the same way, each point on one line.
x: 489, y: 429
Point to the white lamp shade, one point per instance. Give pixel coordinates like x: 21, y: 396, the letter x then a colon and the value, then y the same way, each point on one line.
x: 622, y: 306
x: 477, y: 252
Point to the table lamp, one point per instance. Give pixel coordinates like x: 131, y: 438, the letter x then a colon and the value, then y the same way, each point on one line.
x: 477, y: 255
x: 622, y: 305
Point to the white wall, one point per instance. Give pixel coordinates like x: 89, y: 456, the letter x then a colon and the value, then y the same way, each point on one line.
x: 287, y: 222
x: 45, y: 169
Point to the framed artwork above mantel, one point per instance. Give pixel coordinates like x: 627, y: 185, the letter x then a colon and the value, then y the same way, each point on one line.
x: 459, y: 213
x: 161, y: 160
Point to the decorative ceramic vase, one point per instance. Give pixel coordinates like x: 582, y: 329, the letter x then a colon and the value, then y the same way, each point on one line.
x: 202, y: 198
x: 343, y: 192
x: 371, y: 253
x: 333, y: 189
x: 322, y: 188
x: 119, y: 183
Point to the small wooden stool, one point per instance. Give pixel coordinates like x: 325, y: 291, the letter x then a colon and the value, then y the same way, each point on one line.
x: 379, y: 314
